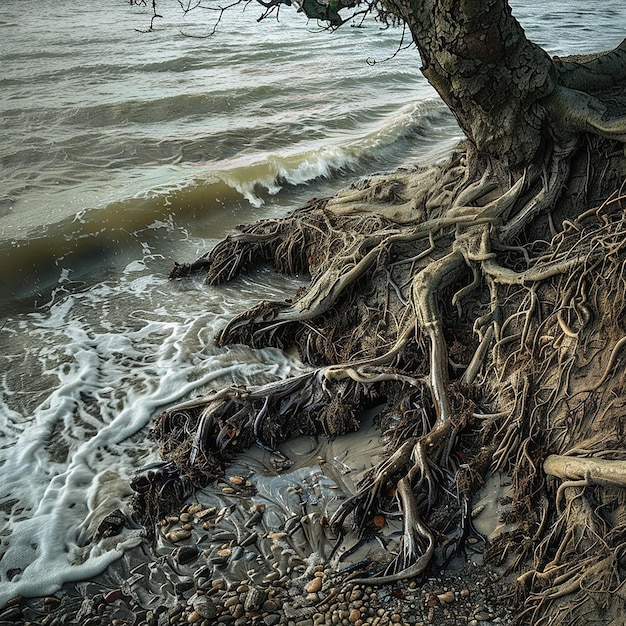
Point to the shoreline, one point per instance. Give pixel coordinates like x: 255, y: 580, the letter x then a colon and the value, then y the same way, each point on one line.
x: 253, y: 549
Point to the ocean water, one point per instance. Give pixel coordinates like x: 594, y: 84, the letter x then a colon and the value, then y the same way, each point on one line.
x: 122, y: 151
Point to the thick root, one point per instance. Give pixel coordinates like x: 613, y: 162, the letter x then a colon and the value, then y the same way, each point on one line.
x: 488, y: 348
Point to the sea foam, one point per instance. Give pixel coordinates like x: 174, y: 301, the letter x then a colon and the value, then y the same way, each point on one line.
x: 103, y: 361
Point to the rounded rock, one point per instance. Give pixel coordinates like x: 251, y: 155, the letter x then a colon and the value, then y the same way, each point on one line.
x: 180, y: 534
x: 447, y: 597
x: 355, y: 594
x: 51, y: 602
x: 314, y: 585
x: 230, y: 602
x: 113, y: 596
x: 187, y: 554
x: 204, y: 607
x: 269, y: 606
x: 194, y: 617
x: 254, y: 599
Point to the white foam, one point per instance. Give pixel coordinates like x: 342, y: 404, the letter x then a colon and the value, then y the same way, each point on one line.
x: 112, y: 357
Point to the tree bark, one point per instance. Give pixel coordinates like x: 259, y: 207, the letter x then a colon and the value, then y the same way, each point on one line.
x: 477, y: 56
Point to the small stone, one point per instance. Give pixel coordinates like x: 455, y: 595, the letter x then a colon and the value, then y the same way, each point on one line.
x: 195, y: 508
x: 272, y: 576
x: 269, y: 606
x: 446, y: 597
x: 194, y: 617
x: 187, y: 554
x: 232, y: 601
x: 396, y: 618
x: 254, y: 599
x: 355, y: 615
x: 204, y: 607
x: 314, y: 585
x: 203, y: 513
x: 271, y: 620
x: 180, y: 534
x: 355, y: 594
x: 51, y: 602
x: 113, y: 596
x: 238, y: 611
x: 465, y: 592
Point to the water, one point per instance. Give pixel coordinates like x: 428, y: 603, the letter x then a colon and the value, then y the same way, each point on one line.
x: 122, y: 151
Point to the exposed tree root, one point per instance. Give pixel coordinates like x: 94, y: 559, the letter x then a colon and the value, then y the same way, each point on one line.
x: 486, y: 351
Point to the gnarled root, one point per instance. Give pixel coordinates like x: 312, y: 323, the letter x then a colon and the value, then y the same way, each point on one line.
x: 199, y: 436
x: 410, y: 472
x: 488, y: 351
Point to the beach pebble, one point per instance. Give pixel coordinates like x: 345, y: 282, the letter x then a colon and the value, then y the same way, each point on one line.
x: 204, y: 513
x: 187, y: 554
x: 113, y: 596
x: 269, y: 606
x: 314, y: 585
x: 354, y: 615
x: 254, y: 599
x: 482, y: 616
x: 51, y: 602
x: 231, y: 602
x: 446, y: 597
x: 194, y: 617
x: 180, y: 534
x: 204, y: 607
x: 355, y: 594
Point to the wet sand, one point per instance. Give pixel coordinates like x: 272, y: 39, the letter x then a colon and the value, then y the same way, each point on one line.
x: 255, y: 548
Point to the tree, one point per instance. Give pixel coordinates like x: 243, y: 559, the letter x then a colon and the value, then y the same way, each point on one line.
x: 482, y: 301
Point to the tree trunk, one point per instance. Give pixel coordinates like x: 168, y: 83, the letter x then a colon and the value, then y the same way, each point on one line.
x: 477, y: 57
